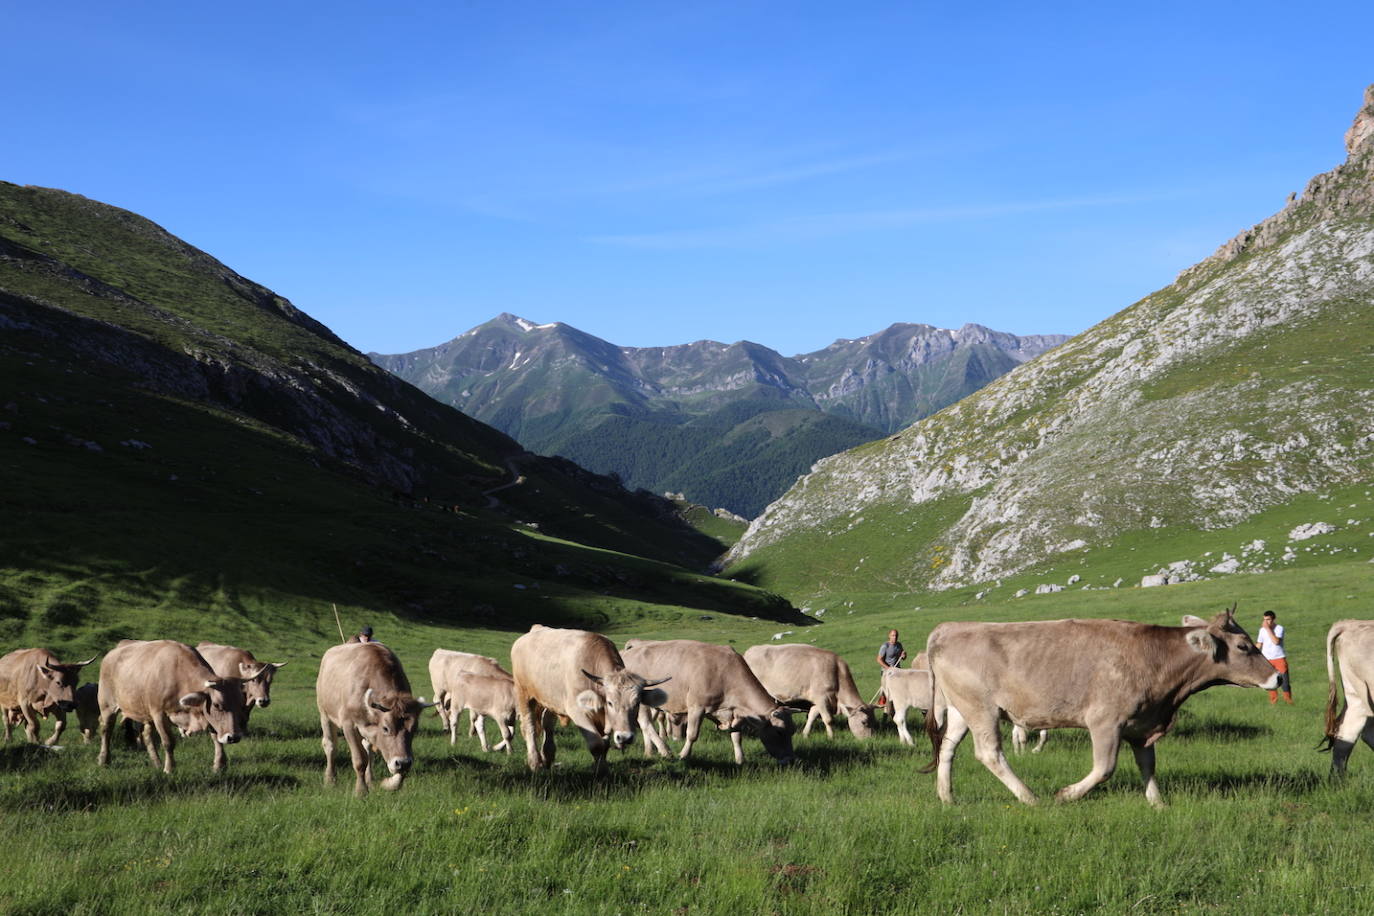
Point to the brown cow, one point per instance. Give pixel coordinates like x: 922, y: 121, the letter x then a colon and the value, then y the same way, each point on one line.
x: 711, y: 681
x: 363, y: 691
x: 907, y: 689
x: 794, y: 673
x: 485, y: 696
x: 1119, y: 679
x: 34, y: 685
x: 231, y: 661
x: 580, y: 675
x: 446, y: 666
x: 164, y: 683
x: 1351, y: 644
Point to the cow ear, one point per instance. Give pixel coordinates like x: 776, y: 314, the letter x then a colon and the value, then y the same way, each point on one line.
x: 589, y: 700
x: 1190, y: 620
x: 1202, y: 641
x: 194, y: 699
x: 653, y: 697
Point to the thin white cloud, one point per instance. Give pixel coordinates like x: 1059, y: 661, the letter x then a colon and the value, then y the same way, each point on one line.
x: 827, y: 225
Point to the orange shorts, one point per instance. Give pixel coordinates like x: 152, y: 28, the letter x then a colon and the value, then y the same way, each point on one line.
x: 1280, y: 663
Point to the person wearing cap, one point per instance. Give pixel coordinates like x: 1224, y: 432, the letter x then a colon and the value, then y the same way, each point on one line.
x: 363, y: 635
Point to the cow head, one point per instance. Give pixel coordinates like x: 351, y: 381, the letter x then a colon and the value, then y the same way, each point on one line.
x: 775, y: 730
x: 55, y: 686
x: 389, y: 727
x: 257, y: 682
x: 617, y: 697
x: 218, y: 706
x: 1234, y: 657
x: 862, y: 721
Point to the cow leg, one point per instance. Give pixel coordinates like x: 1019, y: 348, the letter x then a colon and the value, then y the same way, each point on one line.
x: 1018, y: 739
x: 1352, y: 727
x: 481, y: 729
x: 9, y: 725
x: 221, y: 758
x: 899, y: 711
x: 1106, y: 744
x: 168, y: 742
x: 1044, y: 733
x: 550, y: 744
x: 361, y: 758
x: 653, y: 741
x: 30, y: 723
x: 327, y: 743
x: 474, y: 723
x: 599, y: 747
x: 694, y: 716
x: 107, y: 727
x: 503, y: 726
x: 811, y: 718
x: 737, y: 741
x: 531, y: 719
x: 827, y: 719
x: 955, y: 730
x: 58, y: 727
x: 987, y: 747
x: 1145, y: 762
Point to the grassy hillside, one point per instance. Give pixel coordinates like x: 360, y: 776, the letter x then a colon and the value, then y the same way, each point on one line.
x: 180, y: 446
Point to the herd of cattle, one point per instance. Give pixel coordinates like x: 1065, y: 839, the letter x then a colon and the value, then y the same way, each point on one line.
x: 1119, y: 680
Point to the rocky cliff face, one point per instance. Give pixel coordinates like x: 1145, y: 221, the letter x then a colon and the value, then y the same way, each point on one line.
x: 1247, y: 381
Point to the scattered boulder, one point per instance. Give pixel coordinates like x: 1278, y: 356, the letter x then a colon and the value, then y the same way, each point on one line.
x: 1075, y: 579
x: 1228, y: 565
x: 1152, y: 581
x: 1048, y: 588
x: 1310, y: 530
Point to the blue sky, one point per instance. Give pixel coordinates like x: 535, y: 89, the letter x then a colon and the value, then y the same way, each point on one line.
x: 655, y: 173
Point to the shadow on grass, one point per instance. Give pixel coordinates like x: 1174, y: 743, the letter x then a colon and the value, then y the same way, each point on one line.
x: 1222, y: 783
x: 60, y: 792
x: 1220, y: 730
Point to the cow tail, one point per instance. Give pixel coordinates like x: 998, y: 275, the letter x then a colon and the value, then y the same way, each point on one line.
x: 935, y: 725
x: 1333, y: 719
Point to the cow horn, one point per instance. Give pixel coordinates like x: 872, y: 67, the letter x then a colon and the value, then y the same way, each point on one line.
x: 591, y: 676
x: 662, y: 680
x: 367, y: 699
x: 85, y: 663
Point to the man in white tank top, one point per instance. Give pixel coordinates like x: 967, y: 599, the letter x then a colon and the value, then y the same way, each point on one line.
x: 1270, y: 642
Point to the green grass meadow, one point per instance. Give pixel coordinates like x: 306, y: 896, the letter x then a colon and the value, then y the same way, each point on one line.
x: 1252, y: 823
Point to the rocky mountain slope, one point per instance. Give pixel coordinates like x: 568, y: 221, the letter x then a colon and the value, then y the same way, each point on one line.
x: 1247, y: 382
x: 727, y: 424
x: 168, y: 427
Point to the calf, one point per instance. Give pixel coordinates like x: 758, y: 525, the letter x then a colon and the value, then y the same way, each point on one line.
x: 485, y: 697
x: 446, y: 668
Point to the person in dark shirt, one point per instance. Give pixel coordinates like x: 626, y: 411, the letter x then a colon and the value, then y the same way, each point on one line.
x: 890, y: 655
x: 363, y: 635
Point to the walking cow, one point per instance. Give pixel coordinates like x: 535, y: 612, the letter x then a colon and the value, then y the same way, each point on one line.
x: 164, y: 683
x: 362, y: 690
x: 1120, y: 680
x: 578, y: 674
x: 231, y: 661
x: 34, y: 685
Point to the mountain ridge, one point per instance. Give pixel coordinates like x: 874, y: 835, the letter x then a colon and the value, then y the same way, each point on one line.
x: 551, y: 385
x: 1243, y: 383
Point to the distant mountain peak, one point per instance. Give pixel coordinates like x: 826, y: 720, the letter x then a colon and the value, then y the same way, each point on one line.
x: 523, y: 324
x: 1360, y: 136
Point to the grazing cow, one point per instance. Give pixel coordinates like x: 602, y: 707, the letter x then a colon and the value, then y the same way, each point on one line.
x: 711, y: 681
x: 362, y: 690
x: 485, y: 696
x: 164, y: 683
x: 34, y: 685
x: 1119, y: 679
x: 231, y: 661
x: 1351, y: 644
x: 580, y: 675
x: 796, y: 673
x: 446, y: 666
